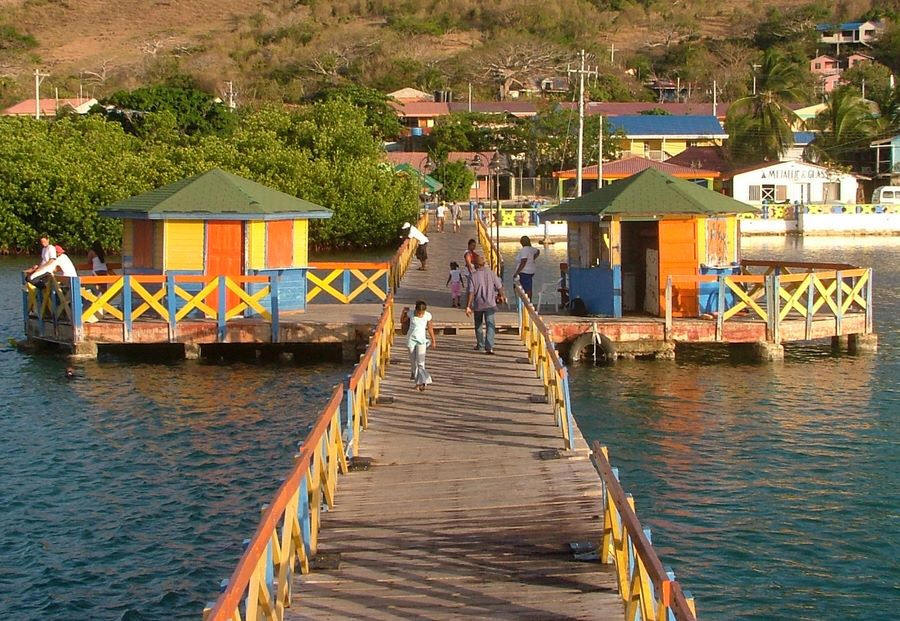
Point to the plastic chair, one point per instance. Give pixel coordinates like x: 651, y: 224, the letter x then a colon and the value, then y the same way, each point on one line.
x: 549, y: 287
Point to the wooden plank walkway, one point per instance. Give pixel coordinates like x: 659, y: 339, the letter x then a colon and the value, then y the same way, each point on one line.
x: 459, y: 515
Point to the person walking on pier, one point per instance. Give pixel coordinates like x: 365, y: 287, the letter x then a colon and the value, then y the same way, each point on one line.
x: 455, y: 282
x: 418, y: 331
x: 441, y: 216
x: 485, y: 292
x: 456, y: 215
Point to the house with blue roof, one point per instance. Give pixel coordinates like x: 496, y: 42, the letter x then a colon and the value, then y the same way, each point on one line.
x: 863, y: 33
x: 659, y: 137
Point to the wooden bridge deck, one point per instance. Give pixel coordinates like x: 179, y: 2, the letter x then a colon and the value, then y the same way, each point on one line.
x: 459, y: 515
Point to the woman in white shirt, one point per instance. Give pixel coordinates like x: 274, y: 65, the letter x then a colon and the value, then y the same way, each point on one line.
x: 97, y: 258
x: 417, y: 340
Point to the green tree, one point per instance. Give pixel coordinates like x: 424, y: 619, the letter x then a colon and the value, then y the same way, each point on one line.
x: 196, y: 112
x: 843, y: 129
x: 887, y: 48
x: 380, y: 116
x: 760, y: 126
x: 462, y: 131
x: 457, y: 178
x: 875, y: 78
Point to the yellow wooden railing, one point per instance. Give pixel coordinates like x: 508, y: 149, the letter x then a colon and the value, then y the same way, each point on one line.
x: 547, y: 363
x: 365, y: 383
x: 399, y: 263
x: 790, y: 212
x: 287, y: 536
x: 345, y: 282
x: 492, y: 255
x: 773, y: 291
x: 644, y: 585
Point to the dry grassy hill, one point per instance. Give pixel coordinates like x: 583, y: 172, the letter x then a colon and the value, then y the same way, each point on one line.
x: 283, y: 49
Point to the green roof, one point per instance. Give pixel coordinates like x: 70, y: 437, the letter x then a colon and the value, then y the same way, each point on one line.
x: 429, y: 183
x: 650, y: 193
x: 215, y: 195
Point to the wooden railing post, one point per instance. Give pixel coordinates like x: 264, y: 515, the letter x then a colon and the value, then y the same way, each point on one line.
x: 126, y: 307
x: 668, y: 326
x: 222, y: 308
x: 720, y: 313
x: 172, y: 305
x: 869, y: 301
x: 76, y: 309
x: 839, y: 299
x: 273, y: 296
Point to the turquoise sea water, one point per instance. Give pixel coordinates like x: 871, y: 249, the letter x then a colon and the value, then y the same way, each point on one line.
x: 125, y: 492
x: 772, y: 490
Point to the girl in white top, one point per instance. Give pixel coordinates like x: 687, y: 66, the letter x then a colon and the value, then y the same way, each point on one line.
x: 454, y: 281
x: 417, y: 340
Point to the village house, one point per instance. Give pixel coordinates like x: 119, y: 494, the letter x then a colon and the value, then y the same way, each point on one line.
x: 629, y: 108
x: 419, y: 116
x: 827, y: 70
x: 791, y: 182
x: 703, y: 158
x: 517, y: 109
x: 661, y: 137
x: 887, y: 159
x: 410, y: 94
x: 849, y: 33
x: 479, y: 162
x: 628, y: 166
x: 51, y: 106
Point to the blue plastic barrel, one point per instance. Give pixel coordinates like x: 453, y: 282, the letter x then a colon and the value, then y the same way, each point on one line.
x: 709, y: 291
x: 416, y: 131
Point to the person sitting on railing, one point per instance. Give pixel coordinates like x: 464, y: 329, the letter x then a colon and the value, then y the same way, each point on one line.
x: 62, y: 263
x: 421, y: 249
x: 48, y: 253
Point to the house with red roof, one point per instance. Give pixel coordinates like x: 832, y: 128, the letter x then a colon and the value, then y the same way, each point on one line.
x: 50, y: 107
x: 479, y: 162
x: 631, y: 165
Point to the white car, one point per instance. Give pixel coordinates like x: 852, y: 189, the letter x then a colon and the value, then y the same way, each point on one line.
x: 886, y: 195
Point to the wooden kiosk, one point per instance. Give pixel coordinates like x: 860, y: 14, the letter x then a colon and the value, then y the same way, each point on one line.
x: 219, y: 223
x: 625, y: 239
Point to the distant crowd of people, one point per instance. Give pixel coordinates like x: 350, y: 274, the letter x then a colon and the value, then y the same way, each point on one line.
x: 469, y: 281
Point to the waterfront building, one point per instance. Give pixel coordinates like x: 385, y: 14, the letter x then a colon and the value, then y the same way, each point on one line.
x: 631, y: 165
x: 887, y: 159
x: 217, y: 223
x: 790, y: 182
x: 625, y: 239
x: 659, y: 137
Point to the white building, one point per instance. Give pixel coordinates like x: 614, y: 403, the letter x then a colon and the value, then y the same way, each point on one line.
x: 791, y: 183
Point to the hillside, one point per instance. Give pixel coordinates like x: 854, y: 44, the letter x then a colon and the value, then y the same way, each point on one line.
x: 288, y: 49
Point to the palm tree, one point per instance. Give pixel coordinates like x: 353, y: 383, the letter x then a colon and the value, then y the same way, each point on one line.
x: 843, y: 128
x: 760, y: 125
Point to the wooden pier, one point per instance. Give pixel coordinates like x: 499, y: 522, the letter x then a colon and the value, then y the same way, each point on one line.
x: 477, y: 498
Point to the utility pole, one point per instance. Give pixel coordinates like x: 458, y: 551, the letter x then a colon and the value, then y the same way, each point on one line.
x: 230, y: 94
x: 863, y: 88
x: 600, y: 154
x: 612, y: 54
x: 715, y: 103
x: 755, y: 67
x: 38, y: 78
x: 581, y: 73
x: 470, y: 97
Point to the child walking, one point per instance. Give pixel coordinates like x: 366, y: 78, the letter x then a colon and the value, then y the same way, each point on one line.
x: 417, y: 340
x: 454, y: 280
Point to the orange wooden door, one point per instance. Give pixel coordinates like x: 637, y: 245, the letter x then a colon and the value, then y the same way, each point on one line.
x: 279, y: 243
x: 143, y: 243
x: 224, y: 254
x: 678, y: 257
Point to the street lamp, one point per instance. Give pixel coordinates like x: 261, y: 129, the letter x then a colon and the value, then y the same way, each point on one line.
x: 494, y: 167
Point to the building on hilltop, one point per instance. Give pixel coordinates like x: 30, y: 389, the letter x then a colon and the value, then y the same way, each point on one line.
x: 51, y: 106
x: 410, y: 94
x: 849, y: 33
x: 661, y: 137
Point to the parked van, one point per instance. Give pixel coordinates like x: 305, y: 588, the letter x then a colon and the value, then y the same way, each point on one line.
x: 886, y: 195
